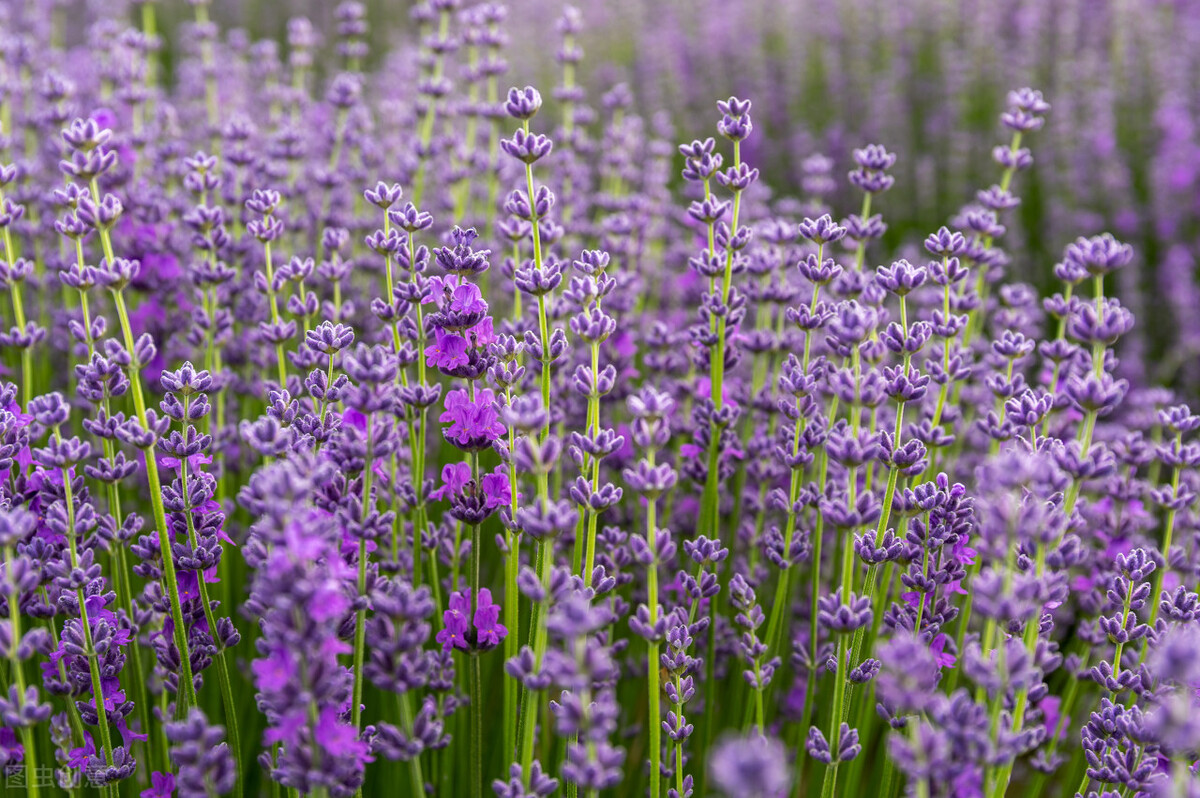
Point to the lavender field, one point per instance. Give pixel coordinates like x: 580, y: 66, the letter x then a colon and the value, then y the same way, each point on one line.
x: 756, y: 399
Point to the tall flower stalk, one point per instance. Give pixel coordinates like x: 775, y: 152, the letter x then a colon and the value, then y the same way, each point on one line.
x: 89, y: 159
x: 650, y: 410
x: 723, y: 305
x: 539, y: 277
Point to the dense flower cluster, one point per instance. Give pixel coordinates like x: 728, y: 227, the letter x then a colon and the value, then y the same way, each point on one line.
x: 364, y: 428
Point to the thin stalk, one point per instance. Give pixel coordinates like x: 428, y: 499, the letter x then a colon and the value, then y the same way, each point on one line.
x: 187, y: 691
x: 18, y: 673
x: 476, y: 691
x: 418, y: 464
x: 782, y: 591
x: 493, y: 186
x: 231, y: 715
x: 19, y: 316
x: 710, y: 499
x: 416, y: 779
x: 476, y: 724
x: 93, y: 663
x: 654, y: 727
x: 150, y: 31
x: 280, y: 361
x: 462, y: 191
x: 209, y: 66
x: 512, y: 598
x: 430, y: 115
x: 543, y: 327
x: 593, y: 428
x: 360, y: 620
x: 123, y: 581
x: 540, y: 639
x: 828, y: 786
x: 1169, y: 529
x: 1032, y: 630
x: 544, y: 331
x: 679, y: 721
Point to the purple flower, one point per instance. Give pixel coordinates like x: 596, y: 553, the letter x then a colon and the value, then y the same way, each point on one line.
x: 194, y: 462
x: 523, y: 103
x: 455, y: 622
x: 750, y: 767
x: 1050, y: 707
x: 465, y: 298
x: 162, y: 785
x: 488, y: 629
x: 275, y: 671
x: 11, y: 751
x: 448, y: 351
x: 455, y: 477
x: 482, y: 632
x: 81, y: 756
x: 460, y: 305
x: 337, y: 737
x: 474, y: 423
x: 496, y: 488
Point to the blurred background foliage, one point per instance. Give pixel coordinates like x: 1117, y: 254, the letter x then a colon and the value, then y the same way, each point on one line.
x: 1120, y: 151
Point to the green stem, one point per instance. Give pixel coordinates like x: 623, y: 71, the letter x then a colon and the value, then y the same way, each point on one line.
x: 187, y: 686
x: 430, y: 115
x: 829, y: 785
x: 1169, y: 530
x: 360, y: 620
x: 124, y: 581
x: 538, y: 630
x: 654, y: 727
x: 89, y: 647
x: 27, y: 738
x: 476, y: 726
x: 512, y: 598
x: 416, y: 779
x: 19, y: 316
x: 280, y: 361
x: 231, y: 717
x: 1032, y: 630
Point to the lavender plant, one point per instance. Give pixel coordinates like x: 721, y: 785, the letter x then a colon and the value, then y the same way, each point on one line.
x: 658, y: 469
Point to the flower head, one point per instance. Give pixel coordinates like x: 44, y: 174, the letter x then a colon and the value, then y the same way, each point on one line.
x: 474, y: 422
x: 162, y: 785
x: 463, y: 630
